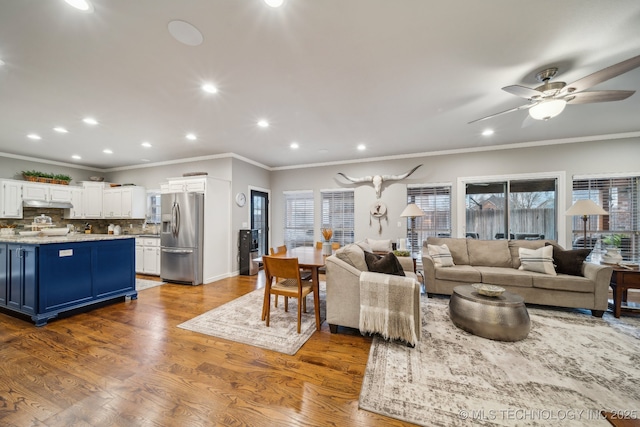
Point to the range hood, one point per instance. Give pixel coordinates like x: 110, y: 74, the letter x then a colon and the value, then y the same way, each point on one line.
x: 43, y: 204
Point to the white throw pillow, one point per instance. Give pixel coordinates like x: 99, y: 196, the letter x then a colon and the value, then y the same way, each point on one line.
x: 441, y: 255
x: 538, y: 260
x: 380, y: 245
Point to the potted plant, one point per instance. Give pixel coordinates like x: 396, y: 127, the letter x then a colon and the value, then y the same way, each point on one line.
x: 31, y: 175
x: 613, y: 243
x: 61, y: 179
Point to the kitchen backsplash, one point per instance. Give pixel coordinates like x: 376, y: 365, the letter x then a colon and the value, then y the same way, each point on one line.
x: 99, y: 226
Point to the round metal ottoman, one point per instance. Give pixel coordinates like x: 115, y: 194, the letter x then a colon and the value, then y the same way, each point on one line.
x: 501, y: 318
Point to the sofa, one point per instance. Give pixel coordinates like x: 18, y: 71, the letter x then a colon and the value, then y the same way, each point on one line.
x: 498, y: 262
x: 343, y: 277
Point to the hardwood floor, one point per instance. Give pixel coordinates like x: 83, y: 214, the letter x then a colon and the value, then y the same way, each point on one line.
x: 127, y: 364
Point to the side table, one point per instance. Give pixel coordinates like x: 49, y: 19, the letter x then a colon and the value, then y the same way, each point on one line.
x: 622, y: 280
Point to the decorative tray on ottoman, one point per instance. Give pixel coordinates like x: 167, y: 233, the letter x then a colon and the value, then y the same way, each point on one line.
x: 488, y: 290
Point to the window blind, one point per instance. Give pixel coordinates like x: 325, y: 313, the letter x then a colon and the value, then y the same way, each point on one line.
x: 298, y: 218
x: 337, y: 214
x: 620, y: 197
x: 435, y: 202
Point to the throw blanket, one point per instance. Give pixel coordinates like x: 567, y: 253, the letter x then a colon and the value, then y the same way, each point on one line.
x: 386, y: 306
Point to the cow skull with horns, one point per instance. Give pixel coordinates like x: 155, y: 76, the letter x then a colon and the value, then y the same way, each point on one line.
x: 377, y: 180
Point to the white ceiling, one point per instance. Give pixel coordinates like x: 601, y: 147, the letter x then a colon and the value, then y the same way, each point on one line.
x: 402, y: 77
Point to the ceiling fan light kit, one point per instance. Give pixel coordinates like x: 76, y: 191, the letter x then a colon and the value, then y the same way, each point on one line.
x: 547, y: 109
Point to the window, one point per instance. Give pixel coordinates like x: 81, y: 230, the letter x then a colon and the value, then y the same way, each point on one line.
x: 620, y: 197
x: 337, y: 214
x: 524, y: 207
x: 298, y: 218
x: 435, y: 202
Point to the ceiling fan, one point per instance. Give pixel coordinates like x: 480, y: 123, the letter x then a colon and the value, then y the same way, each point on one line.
x: 549, y: 99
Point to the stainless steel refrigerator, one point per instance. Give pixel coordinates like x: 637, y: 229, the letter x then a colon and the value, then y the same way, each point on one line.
x: 181, y: 238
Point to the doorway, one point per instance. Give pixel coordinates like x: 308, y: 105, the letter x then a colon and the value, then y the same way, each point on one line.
x: 260, y: 219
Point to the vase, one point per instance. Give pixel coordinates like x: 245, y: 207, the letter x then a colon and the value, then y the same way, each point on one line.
x: 326, y: 248
x: 612, y: 256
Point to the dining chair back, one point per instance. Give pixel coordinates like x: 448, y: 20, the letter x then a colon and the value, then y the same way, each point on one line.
x: 280, y: 250
x: 283, y: 278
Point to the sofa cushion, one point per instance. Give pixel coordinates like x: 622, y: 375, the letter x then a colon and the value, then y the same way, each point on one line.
x: 569, y: 262
x: 539, y: 260
x: 505, y: 276
x: 353, y: 255
x: 379, y: 245
x: 489, y: 253
x: 459, y: 273
x: 387, y: 263
x: 514, y: 245
x: 441, y: 255
x: 457, y: 247
x: 364, y: 246
x: 564, y: 282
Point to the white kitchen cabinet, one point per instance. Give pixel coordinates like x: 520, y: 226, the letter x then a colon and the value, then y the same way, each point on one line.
x: 46, y: 192
x: 197, y: 184
x: 10, y: 199
x: 92, y: 199
x: 148, y: 255
x: 125, y: 202
x: 77, y: 200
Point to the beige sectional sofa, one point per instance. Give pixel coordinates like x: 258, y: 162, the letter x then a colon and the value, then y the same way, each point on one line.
x: 497, y: 262
x: 343, y: 287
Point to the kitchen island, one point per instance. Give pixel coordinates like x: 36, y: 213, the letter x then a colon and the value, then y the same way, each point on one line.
x: 42, y: 277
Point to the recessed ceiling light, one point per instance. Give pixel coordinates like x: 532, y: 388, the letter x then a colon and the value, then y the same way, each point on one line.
x: 146, y: 144
x: 487, y: 132
x: 107, y: 151
x: 209, y: 88
x: 90, y: 121
x: 191, y: 137
x: 83, y: 5
x: 76, y: 157
x: 34, y: 136
x: 362, y: 147
x: 274, y: 3
x: 263, y: 123
x: 294, y: 145
x: 60, y: 129
x: 185, y: 33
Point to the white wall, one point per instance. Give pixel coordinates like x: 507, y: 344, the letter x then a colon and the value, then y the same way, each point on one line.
x: 611, y: 156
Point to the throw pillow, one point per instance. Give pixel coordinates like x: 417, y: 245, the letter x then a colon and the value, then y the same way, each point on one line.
x: 364, y: 245
x: 539, y: 260
x: 354, y: 255
x: 441, y: 255
x: 380, y: 245
x: 569, y: 262
x: 387, y: 263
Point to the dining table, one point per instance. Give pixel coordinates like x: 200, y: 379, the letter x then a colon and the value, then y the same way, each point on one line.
x: 309, y: 258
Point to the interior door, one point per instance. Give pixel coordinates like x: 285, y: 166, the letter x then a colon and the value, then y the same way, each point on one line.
x: 260, y: 219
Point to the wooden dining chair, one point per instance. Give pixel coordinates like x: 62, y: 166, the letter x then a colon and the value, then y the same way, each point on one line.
x: 280, y: 250
x: 286, y: 273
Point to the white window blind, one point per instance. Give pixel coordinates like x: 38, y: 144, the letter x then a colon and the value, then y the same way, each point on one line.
x: 435, y: 202
x: 298, y: 218
x: 620, y: 197
x: 337, y: 214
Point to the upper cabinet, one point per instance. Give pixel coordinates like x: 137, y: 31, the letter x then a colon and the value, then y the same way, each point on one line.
x: 92, y: 199
x: 125, y: 202
x: 10, y: 199
x: 196, y: 184
x: 46, y: 192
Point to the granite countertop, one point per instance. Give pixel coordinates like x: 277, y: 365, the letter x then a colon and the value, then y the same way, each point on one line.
x: 69, y: 238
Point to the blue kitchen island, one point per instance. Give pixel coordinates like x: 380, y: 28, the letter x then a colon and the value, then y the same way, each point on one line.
x: 43, y: 276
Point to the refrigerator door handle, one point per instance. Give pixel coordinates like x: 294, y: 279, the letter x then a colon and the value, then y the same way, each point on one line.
x: 177, y: 251
x: 177, y: 219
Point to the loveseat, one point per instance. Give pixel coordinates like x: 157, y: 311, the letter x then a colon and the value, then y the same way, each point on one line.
x: 497, y: 262
x: 344, y: 270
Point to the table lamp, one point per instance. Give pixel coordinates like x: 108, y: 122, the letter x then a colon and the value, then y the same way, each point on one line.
x: 411, y: 211
x: 585, y: 208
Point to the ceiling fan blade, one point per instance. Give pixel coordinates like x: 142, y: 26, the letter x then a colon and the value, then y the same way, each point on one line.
x: 602, y: 75
x: 599, y: 96
x: 522, y: 107
x: 522, y: 91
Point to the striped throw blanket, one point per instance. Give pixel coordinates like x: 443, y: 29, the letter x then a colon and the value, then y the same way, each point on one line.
x: 386, y: 306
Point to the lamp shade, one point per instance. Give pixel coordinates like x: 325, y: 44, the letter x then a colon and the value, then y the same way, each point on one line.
x: 411, y: 211
x: 547, y: 109
x: 585, y: 207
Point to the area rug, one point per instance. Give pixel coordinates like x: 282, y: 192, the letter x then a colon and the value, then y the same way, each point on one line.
x: 142, y: 284
x: 569, y: 368
x: 239, y: 320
